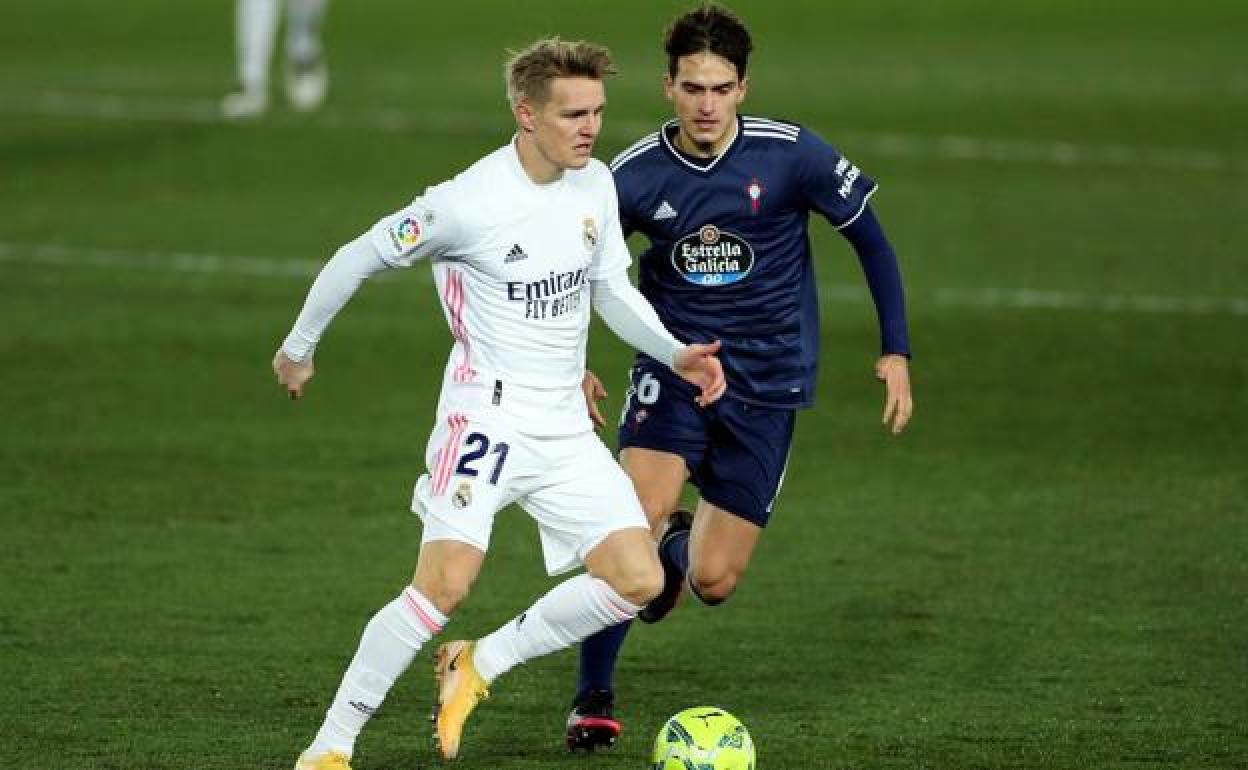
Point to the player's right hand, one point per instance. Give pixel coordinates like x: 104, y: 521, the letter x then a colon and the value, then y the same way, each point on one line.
x: 698, y: 364
x: 292, y: 374
x: 594, y: 392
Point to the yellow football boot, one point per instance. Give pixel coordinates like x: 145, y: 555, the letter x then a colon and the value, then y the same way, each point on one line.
x: 460, y: 688
x: 331, y: 761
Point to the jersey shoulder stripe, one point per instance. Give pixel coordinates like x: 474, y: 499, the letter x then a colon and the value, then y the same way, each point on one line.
x: 640, y: 147
x: 623, y: 158
x: 769, y: 134
x: 637, y: 145
x: 751, y: 121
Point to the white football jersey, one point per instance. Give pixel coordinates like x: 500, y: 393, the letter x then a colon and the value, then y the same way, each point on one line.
x: 513, y: 261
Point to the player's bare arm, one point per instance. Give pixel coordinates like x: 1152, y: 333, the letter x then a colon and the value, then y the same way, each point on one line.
x: 894, y: 371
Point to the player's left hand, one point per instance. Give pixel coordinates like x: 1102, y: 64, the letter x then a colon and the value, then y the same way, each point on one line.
x: 698, y: 364
x: 894, y: 371
x: 594, y: 392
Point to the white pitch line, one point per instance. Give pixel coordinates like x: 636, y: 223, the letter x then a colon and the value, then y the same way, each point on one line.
x: 52, y: 255
x: 1150, y: 304
x: 98, y: 106
x: 1043, y: 153
x: 174, y: 262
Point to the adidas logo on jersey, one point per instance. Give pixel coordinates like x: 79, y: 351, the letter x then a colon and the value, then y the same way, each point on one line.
x: 515, y: 255
x: 665, y: 211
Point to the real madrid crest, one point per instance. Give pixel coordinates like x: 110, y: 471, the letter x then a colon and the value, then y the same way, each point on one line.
x: 589, y: 233
x: 463, y: 495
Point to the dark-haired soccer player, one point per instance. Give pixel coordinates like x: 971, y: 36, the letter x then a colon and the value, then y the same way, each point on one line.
x: 724, y: 200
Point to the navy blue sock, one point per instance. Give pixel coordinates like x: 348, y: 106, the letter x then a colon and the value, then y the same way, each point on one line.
x: 675, y: 552
x: 598, y: 655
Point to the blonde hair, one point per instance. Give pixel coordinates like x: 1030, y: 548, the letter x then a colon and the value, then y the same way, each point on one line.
x: 529, y: 72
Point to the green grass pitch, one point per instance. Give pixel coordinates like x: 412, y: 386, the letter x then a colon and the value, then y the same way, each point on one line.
x: 1049, y: 570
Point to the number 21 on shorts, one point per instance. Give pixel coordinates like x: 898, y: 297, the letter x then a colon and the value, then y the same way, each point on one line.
x: 478, y: 446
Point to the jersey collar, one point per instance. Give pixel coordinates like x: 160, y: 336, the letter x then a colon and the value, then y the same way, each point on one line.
x: 665, y: 133
x: 522, y: 176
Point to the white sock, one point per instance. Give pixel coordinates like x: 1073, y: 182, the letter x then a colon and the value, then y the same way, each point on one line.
x: 303, y: 29
x: 572, y: 611
x: 255, y: 31
x: 389, y: 643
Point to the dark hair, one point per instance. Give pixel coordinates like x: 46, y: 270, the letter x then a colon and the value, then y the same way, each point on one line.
x: 708, y: 28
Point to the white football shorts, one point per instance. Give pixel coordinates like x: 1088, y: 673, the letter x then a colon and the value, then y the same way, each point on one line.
x: 571, y: 486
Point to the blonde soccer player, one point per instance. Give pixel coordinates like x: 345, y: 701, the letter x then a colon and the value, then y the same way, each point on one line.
x: 522, y: 244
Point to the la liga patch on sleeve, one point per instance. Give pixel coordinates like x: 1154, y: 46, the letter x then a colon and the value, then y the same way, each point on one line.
x: 405, y: 234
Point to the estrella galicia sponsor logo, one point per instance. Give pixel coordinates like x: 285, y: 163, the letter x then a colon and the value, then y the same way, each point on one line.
x: 712, y: 257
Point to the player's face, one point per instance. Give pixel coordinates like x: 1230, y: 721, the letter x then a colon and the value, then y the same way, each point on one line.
x: 566, y: 126
x: 706, y: 92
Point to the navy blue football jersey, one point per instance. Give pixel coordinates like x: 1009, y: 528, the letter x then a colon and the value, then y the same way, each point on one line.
x: 729, y: 255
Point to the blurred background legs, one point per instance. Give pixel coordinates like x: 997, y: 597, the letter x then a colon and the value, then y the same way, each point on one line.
x: 306, y: 74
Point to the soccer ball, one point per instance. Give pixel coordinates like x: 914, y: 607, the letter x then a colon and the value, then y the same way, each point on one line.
x: 703, y: 738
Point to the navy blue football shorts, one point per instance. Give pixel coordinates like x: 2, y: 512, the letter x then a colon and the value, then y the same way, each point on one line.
x: 736, y: 452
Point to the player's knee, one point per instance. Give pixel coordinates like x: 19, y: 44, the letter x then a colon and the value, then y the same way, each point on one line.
x: 639, y: 584
x: 713, y: 589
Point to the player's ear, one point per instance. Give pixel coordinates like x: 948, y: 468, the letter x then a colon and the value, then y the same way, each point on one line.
x: 745, y: 86
x: 668, y: 85
x: 525, y: 116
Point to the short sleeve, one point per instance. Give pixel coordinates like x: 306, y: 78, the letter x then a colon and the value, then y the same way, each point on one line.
x: 427, y: 228
x: 612, y: 256
x: 832, y: 184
